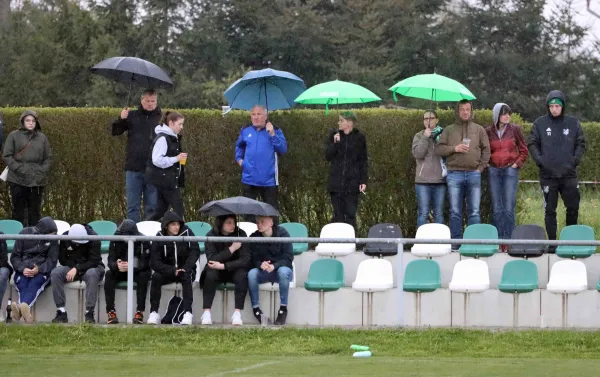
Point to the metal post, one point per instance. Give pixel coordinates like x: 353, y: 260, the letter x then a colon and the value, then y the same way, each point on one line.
x: 400, y: 281
x: 515, y: 309
x: 130, y: 259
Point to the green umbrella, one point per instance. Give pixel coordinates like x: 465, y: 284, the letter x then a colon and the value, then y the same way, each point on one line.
x: 432, y: 87
x: 336, y: 93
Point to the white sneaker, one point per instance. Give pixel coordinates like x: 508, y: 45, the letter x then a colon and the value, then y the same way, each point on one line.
x: 236, y: 318
x: 154, y: 318
x: 206, y: 318
x: 187, y: 318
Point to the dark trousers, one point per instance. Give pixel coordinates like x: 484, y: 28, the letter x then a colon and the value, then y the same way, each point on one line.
x: 165, y: 198
x: 110, y: 284
x: 158, y: 280
x: 569, y: 192
x: 345, y: 205
x: 267, y: 194
x: 212, y: 278
x: 26, y: 199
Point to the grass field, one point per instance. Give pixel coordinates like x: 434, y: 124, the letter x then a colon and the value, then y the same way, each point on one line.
x: 49, y: 350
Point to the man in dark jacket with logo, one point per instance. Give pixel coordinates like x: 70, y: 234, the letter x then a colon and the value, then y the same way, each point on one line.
x: 139, y: 125
x: 117, y: 271
x: 557, y: 144
x: 271, y: 262
x: 80, y: 261
x: 33, y: 261
x: 257, y: 152
x: 173, y: 262
x: 349, y: 171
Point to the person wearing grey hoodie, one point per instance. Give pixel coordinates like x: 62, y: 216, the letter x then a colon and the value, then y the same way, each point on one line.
x: 165, y: 167
x: 28, y: 156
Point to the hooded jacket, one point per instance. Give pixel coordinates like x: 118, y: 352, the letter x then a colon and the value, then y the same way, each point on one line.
x: 4, y: 256
x: 557, y: 143
x: 168, y: 256
x: 349, y: 161
x: 140, y: 134
x: 509, y: 149
x: 41, y: 253
x: 260, y: 154
x: 476, y: 158
x: 119, y: 249
x: 28, y: 163
x: 163, y: 169
x: 429, y: 165
x: 81, y: 256
x: 219, y: 251
x: 280, y: 254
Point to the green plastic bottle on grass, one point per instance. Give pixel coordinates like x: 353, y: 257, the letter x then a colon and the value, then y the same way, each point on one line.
x: 356, y: 347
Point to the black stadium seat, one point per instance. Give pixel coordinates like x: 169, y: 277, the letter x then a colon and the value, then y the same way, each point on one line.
x: 527, y: 232
x: 383, y: 249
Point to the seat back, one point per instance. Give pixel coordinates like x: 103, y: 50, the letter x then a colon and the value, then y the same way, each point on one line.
x: 435, y: 232
x: 576, y: 233
x: 247, y: 227
x: 104, y: 228
x: 61, y: 226
x: 422, y: 275
x: 325, y: 275
x: 527, y: 232
x: 470, y: 275
x: 375, y: 273
x: 297, y: 230
x: 149, y: 228
x: 383, y: 249
x: 567, y: 276
x: 519, y: 276
x: 10, y: 227
x: 200, y: 228
x: 479, y: 231
x: 336, y: 230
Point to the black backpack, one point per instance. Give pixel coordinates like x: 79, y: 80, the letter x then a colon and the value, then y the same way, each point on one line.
x: 174, y: 313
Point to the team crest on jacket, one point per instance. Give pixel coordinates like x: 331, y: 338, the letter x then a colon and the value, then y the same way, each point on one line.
x: 566, y: 131
x: 549, y: 131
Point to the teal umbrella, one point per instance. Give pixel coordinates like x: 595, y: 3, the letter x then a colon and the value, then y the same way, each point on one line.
x: 433, y: 87
x: 336, y: 93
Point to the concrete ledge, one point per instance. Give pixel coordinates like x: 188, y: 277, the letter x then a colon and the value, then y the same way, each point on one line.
x: 435, y: 309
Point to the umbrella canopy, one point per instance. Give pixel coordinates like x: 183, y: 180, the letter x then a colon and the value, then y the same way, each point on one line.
x: 432, y: 87
x: 238, y: 205
x: 273, y: 89
x: 129, y: 70
x: 336, y: 93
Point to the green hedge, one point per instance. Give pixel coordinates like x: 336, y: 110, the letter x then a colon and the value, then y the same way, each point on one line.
x: 88, y: 182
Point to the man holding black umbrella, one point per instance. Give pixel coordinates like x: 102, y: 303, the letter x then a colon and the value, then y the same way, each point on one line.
x: 139, y: 125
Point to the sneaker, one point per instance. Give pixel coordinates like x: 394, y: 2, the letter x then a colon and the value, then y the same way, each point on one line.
x: 89, y: 316
x: 61, y: 317
x: 15, y: 311
x: 138, y: 319
x: 26, y: 313
x: 154, y: 319
x: 257, y: 314
x: 187, y: 318
x: 206, y: 318
x: 112, y: 318
x: 281, y: 317
x: 236, y: 318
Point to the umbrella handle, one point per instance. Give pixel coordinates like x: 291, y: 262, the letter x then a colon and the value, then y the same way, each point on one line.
x: 395, y: 96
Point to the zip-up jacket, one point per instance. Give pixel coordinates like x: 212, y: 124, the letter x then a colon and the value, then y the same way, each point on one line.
x: 119, y: 249
x: 260, y: 154
x: 166, y: 257
x: 280, y: 254
x: 40, y: 253
x: 81, y: 256
x: 349, y: 161
x: 429, y: 165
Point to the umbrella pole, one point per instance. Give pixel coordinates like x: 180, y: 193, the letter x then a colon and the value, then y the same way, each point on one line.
x: 129, y: 94
x: 266, y: 98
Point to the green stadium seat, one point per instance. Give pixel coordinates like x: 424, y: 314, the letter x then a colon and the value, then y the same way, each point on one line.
x: 422, y: 275
x: 576, y: 233
x: 324, y: 275
x: 104, y: 228
x: 225, y: 287
x: 200, y: 229
x: 10, y: 227
x: 519, y: 276
x: 297, y: 230
x: 123, y: 285
x: 479, y: 231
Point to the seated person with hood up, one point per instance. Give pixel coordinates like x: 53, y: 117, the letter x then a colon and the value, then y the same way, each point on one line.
x: 33, y: 261
x: 173, y: 262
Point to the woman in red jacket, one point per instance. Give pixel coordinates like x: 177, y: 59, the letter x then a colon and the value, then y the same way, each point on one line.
x: 508, y: 154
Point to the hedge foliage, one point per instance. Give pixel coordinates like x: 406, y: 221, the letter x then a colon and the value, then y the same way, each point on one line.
x: 88, y: 181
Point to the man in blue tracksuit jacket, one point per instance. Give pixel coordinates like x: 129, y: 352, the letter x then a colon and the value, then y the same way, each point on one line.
x: 256, y: 152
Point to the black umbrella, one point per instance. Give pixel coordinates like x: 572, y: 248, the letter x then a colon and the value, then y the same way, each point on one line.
x: 238, y: 205
x: 129, y: 70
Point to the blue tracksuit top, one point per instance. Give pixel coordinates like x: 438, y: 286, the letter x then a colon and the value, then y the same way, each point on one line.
x: 259, y: 152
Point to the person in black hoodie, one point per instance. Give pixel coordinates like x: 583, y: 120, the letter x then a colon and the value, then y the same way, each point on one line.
x: 173, y: 262
x: 226, y: 262
x: 5, y: 269
x: 271, y: 262
x: 139, y: 125
x: 117, y: 271
x: 346, y: 150
x: 80, y: 261
x: 33, y: 261
x: 557, y: 144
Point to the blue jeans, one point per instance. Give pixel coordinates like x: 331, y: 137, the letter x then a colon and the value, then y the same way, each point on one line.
x: 503, y: 187
x: 463, y: 185
x: 4, y: 276
x: 135, y: 187
x: 283, y: 276
x: 430, y: 197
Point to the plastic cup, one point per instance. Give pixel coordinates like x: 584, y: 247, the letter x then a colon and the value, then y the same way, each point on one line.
x: 466, y: 141
x: 183, y: 160
x: 264, y: 320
